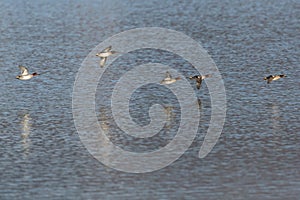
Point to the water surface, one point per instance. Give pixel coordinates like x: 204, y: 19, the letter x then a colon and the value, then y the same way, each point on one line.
x: 257, y: 155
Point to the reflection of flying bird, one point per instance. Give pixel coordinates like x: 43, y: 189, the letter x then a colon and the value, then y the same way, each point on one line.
x: 168, y: 79
x: 104, y: 119
x: 26, y: 125
x: 169, y: 112
x: 199, y: 79
x: 24, y: 74
x: 104, y: 54
x: 274, y: 77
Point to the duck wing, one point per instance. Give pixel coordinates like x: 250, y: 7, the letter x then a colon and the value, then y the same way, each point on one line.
x: 206, y: 76
x: 193, y: 77
x: 270, y: 79
x: 24, y: 70
x: 107, y: 49
x: 168, y: 75
x: 103, y: 61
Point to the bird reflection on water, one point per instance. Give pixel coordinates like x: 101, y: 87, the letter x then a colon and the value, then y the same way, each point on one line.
x: 26, y: 126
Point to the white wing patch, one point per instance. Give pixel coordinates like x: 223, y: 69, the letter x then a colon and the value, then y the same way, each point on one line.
x: 103, y: 61
x: 24, y: 70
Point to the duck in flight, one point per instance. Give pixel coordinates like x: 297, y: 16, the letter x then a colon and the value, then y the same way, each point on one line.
x: 199, y: 79
x: 168, y: 79
x: 271, y: 78
x: 24, y: 74
x: 104, y: 54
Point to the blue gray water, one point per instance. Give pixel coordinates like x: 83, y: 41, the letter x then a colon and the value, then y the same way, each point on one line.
x: 258, y: 153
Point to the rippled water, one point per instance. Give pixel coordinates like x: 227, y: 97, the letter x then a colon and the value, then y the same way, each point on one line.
x: 257, y: 155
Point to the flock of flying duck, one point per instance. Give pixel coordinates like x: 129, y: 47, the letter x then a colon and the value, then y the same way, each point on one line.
x: 104, y: 54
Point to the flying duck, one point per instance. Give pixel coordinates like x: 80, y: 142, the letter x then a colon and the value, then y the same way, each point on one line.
x: 271, y: 78
x: 199, y: 79
x: 168, y: 79
x: 104, y: 54
x: 24, y: 74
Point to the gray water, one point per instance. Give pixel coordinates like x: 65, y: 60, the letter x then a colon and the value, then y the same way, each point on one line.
x: 258, y: 153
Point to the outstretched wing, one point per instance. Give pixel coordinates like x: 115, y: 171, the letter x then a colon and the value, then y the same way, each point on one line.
x: 103, y: 61
x: 193, y: 77
x: 269, y: 78
x: 206, y: 76
x: 107, y: 49
x: 24, y: 70
x: 168, y: 75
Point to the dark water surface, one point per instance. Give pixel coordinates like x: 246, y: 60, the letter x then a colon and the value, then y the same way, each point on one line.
x: 258, y: 153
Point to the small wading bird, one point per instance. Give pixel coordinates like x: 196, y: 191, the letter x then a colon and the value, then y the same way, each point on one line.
x: 199, y: 79
x: 24, y: 74
x: 169, y: 79
x: 104, y: 54
x: 271, y: 78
